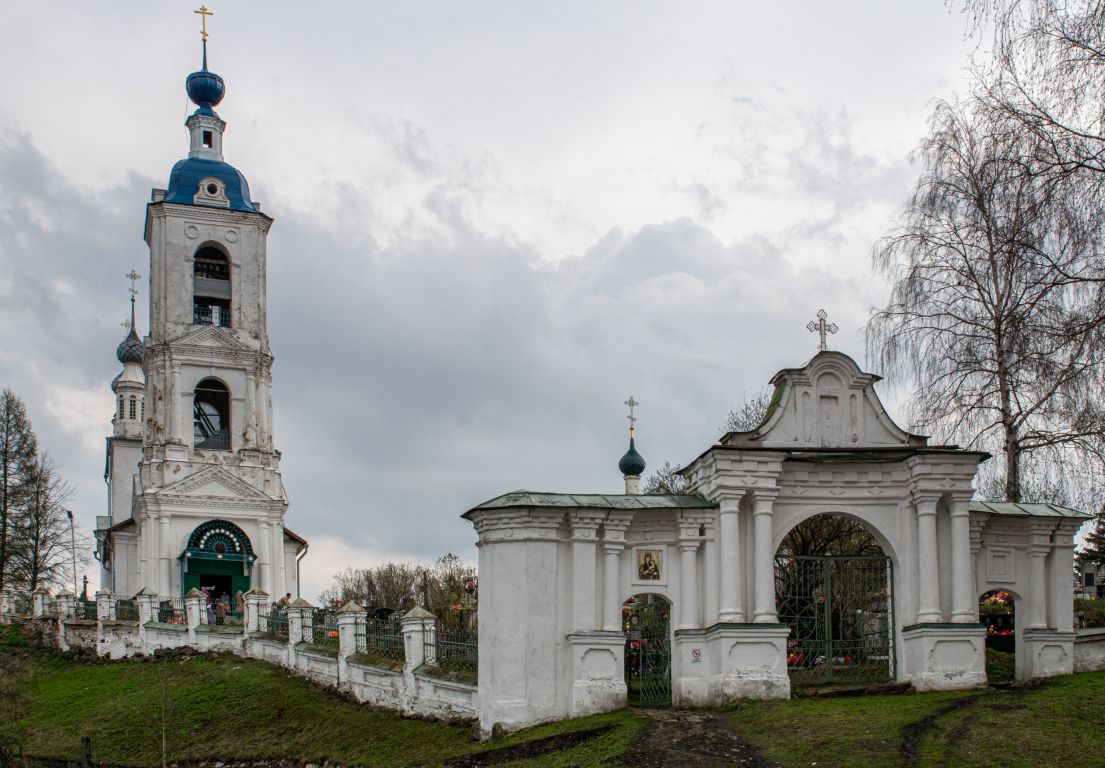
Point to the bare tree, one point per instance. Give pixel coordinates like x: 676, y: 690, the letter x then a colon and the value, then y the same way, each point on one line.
x: 17, y: 456
x: 41, y: 529
x: 750, y: 413
x: 990, y: 316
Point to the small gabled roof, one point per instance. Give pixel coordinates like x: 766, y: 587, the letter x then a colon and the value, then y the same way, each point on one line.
x: 1015, y: 509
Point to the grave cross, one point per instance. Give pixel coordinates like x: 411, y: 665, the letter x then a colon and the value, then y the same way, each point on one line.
x: 821, y: 327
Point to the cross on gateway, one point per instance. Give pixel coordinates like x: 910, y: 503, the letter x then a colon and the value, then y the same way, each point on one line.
x: 821, y: 327
x: 632, y: 404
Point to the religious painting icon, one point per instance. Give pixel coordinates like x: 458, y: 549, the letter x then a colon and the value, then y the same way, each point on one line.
x: 649, y: 564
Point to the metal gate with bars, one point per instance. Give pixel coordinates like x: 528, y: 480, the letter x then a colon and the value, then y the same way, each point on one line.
x: 647, y: 622
x: 841, y: 613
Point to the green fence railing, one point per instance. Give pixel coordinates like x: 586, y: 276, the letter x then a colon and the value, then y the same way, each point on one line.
x: 382, y: 638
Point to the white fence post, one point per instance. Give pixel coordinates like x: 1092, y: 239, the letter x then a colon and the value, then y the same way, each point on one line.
x: 39, y: 600
x: 195, y: 609
x: 256, y: 600
x: 7, y: 605
x: 349, y: 617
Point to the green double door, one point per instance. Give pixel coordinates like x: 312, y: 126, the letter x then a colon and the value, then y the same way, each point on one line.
x: 216, y: 577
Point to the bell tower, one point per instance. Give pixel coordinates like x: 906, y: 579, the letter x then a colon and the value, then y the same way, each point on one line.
x: 209, y: 474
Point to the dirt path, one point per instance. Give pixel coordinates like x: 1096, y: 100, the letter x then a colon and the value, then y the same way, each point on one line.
x: 693, y: 739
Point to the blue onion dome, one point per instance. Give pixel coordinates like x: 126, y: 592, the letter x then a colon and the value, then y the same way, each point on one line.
x: 130, y: 350
x: 632, y: 463
x: 205, y: 89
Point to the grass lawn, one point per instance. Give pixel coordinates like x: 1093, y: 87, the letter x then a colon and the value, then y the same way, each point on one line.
x: 223, y: 708
x: 1060, y: 723
x: 226, y: 708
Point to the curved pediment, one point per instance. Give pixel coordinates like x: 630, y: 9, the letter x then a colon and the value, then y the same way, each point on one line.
x: 827, y: 404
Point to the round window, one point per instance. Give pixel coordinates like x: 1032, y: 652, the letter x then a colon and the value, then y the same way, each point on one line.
x: 212, y: 188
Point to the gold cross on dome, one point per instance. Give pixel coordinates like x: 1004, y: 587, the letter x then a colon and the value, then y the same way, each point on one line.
x: 821, y: 327
x: 204, y: 13
x: 632, y: 404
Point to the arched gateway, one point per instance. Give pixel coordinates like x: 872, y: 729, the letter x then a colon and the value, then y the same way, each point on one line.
x: 750, y: 612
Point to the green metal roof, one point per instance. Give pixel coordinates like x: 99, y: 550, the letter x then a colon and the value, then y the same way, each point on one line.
x: 596, y: 501
x: 1025, y: 510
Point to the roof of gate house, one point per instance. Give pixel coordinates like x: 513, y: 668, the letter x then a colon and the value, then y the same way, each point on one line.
x: 1025, y: 510
x: 523, y: 498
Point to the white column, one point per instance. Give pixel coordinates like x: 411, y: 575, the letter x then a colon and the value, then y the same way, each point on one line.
x: 731, y: 608
x: 251, y: 410
x: 265, y: 561
x: 1037, y: 587
x: 964, y: 599
x: 165, y: 580
x: 688, y: 584
x: 176, y: 408
x: 928, y: 582
x: 584, y: 573
x: 764, y: 582
x: 279, y: 578
x: 1061, y: 562
x: 612, y: 597
x: 261, y: 411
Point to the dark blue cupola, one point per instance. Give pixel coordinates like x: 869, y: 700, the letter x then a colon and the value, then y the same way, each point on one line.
x: 203, y: 178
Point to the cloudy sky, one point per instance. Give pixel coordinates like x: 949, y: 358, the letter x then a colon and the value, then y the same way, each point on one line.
x: 494, y: 222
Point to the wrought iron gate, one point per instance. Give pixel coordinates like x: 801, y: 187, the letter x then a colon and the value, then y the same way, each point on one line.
x: 647, y: 623
x: 841, y: 613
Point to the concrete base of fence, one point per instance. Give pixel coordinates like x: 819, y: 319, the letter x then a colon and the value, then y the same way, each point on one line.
x: 1089, y: 650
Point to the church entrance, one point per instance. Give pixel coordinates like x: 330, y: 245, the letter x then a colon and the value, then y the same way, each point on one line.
x: 646, y: 619
x: 218, y: 559
x: 834, y: 587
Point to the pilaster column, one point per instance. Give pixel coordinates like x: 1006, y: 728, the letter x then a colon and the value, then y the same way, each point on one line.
x: 163, y: 576
x: 928, y: 564
x: 1038, y: 587
x: 584, y: 571
x: 732, y: 604
x: 176, y: 416
x: 251, y: 409
x: 613, y: 544
x: 964, y: 599
x: 265, y: 564
x: 764, y: 582
x: 261, y: 411
x: 688, y: 580
x: 279, y: 580
x: 1061, y: 566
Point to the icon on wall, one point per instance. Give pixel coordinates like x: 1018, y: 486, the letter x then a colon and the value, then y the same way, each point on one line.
x: 649, y: 564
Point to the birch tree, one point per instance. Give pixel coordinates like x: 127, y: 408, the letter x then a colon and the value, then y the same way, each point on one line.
x: 991, y: 319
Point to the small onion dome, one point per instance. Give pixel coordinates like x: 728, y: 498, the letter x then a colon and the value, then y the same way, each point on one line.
x: 130, y: 350
x: 205, y: 89
x: 632, y: 464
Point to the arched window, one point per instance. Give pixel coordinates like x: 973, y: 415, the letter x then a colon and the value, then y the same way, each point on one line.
x: 211, y: 288
x: 211, y: 415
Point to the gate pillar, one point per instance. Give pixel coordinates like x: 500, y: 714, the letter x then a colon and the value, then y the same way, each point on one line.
x: 944, y: 657
x: 598, y: 666
x: 728, y: 662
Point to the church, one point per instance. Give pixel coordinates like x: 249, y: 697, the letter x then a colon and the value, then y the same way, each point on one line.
x: 198, y: 502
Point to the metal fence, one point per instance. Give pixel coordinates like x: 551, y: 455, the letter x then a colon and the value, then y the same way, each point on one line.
x: 126, y: 610
x: 453, y: 647
x: 169, y: 613
x: 274, y: 621
x: 82, y: 609
x: 323, y: 629
x: 21, y: 605
x: 382, y: 638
